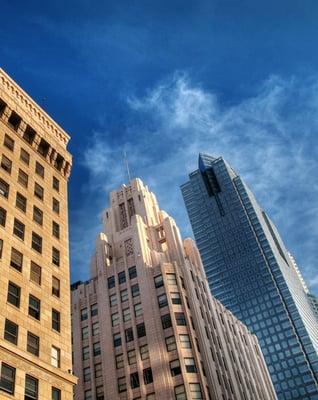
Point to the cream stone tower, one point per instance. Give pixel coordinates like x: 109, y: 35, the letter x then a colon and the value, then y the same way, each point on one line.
x: 35, y: 329
x: 146, y: 326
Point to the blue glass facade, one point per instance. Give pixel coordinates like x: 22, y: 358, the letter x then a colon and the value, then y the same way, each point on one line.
x: 250, y: 272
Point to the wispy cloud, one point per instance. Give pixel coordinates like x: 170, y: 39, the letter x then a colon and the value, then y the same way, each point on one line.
x: 270, y: 138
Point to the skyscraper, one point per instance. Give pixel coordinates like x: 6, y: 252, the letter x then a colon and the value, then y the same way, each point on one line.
x: 35, y: 328
x: 145, y: 326
x: 251, y: 273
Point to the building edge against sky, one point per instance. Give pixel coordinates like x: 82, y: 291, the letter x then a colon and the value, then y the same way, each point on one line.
x: 250, y: 271
x: 35, y: 328
x: 145, y: 326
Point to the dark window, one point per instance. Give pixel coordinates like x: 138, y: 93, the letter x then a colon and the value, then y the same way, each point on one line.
x: 11, y: 331
x: 3, y: 106
x: 190, y: 365
x: 4, y: 189
x: 29, y: 134
x: 21, y: 202
x: 16, y: 260
x: 7, y: 379
x: 43, y: 148
x: 56, y: 394
x: 34, y: 307
x: 132, y: 272
x: 55, y: 229
x: 141, y: 330
x: 35, y: 273
x: 18, y: 229
x: 129, y: 335
x: 121, y: 277
x: 14, y: 120
x: 6, y: 164
x: 158, y: 281
x: 33, y: 344
x: 31, y: 388
x: 56, y: 184
x: 1, y: 247
x: 39, y: 169
x: 135, y: 290
x: 56, y: 206
x: 56, y: 320
x: 180, y: 319
x: 55, y: 286
x: 94, y: 309
x: 58, y: 163
x: 175, y: 367
x: 84, y: 314
x: 55, y: 256
x: 24, y: 156
x: 23, y: 178
x: 166, y: 321
x: 14, y: 294
x: 134, y: 380
x: 162, y: 300
x: 96, y: 349
x: 111, y: 282
x: 147, y: 376
x: 37, y: 215
x: 117, y: 339
x: 36, y: 242
x: 3, y: 216
x: 8, y: 142
x: 175, y: 298
x: 38, y: 191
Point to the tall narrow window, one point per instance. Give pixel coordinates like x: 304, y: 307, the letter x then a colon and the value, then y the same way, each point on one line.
x: 56, y: 184
x: 35, y: 273
x: 33, y: 344
x: 55, y: 357
x: 55, y: 286
x: 34, y: 307
x: 56, y: 320
x: 11, y: 332
x: 39, y: 169
x: 38, y: 191
x: 56, y: 206
x: 4, y: 188
x: 55, y: 256
x: 16, y: 260
x: 147, y: 376
x: 23, y: 178
x: 24, y: 156
x: 56, y: 394
x: 31, y: 388
x: 14, y: 292
x: 7, y: 378
x: 56, y: 229
x: 36, y: 242
x: 37, y: 215
x: 21, y: 202
x: 18, y: 229
x: 15, y: 121
x: 3, y: 216
x: 8, y: 142
x: 6, y: 164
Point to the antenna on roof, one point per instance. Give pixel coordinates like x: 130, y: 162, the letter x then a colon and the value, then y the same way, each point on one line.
x: 126, y: 165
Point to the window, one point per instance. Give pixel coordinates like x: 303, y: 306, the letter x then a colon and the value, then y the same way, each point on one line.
x: 121, y: 277
x: 56, y: 184
x: 88, y: 395
x: 37, y: 215
x: 158, y: 281
x: 56, y: 394
x: 34, y: 307
x: 138, y: 310
x: 95, y: 328
x: 56, y: 320
x: 3, y: 106
x: 84, y: 314
x: 38, y: 191
x: 85, y: 333
x: 24, y: 156
x: 124, y: 295
x: 135, y: 290
x: 36, y: 242
x: 113, y: 300
x: 98, y: 370
x: 33, y: 344
x: 39, y: 169
x: 119, y: 361
x: 7, y: 379
x: 55, y: 256
x: 55, y: 286
x: 23, y: 178
x: 171, y: 343
x: 11, y: 331
x: 16, y: 260
x: 144, y: 352
x: 94, y: 310
x: 129, y: 335
x: 180, y: 319
x: 99, y: 393
x: 115, y: 319
x: 132, y: 272
x: 35, y: 273
x: 14, y: 294
x: 4, y: 189
x: 1, y: 247
x: 175, y: 298
x: 131, y: 357
x: 126, y: 315
x: 195, y: 391
x: 29, y: 134
x: 3, y: 216
x: 56, y: 206
x: 55, y: 357
x: 141, y: 330
x: 121, y: 383
x: 166, y: 321
x: 8, y: 142
x: 185, y: 341
x: 111, y: 282
x: 6, y: 164
x: 18, y: 229
x: 147, y: 376
x: 85, y: 353
x: 87, y: 374
x: 190, y: 365
x: 117, y: 339
x: 175, y: 367
x: 180, y: 393
x: 134, y: 380
x: 14, y: 120
x: 31, y: 388
x: 162, y: 300
x: 96, y: 349
x: 56, y: 229
x: 21, y: 202
x: 171, y: 279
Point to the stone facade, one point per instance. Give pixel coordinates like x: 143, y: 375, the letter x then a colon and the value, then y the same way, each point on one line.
x: 35, y: 329
x: 146, y: 326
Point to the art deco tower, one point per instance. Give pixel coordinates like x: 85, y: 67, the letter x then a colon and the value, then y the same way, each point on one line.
x: 146, y: 327
x: 35, y: 331
x: 250, y: 271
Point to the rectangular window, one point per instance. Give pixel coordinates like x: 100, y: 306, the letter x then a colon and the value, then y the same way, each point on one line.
x: 144, y: 352
x: 95, y: 328
x: 24, y: 156
x: 166, y: 321
x: 129, y: 335
x: 84, y: 314
x: 94, y: 310
x: 171, y: 343
x: 56, y: 229
x: 185, y: 341
x: 55, y: 286
x: 162, y: 300
x: 115, y: 319
x: 14, y: 294
x: 98, y: 370
x: 135, y: 290
x: 180, y: 393
x: 56, y: 320
x: 126, y: 315
x: 134, y: 380
x: 131, y: 357
x: 4, y: 188
x: 96, y: 349
x: 175, y: 298
x: 85, y: 333
x: 171, y: 279
x: 121, y: 277
x: 56, y: 184
x: 23, y: 178
x: 113, y: 300
x: 121, y: 383
x: 11, y: 331
x: 31, y: 388
x: 36, y: 242
x: 56, y: 206
x: 1, y: 247
x: 180, y: 319
x: 29, y: 134
x: 56, y: 394
x: 99, y: 393
x: 7, y: 379
x: 18, y: 229
x: 38, y: 191
x: 3, y: 216
x: 87, y: 374
x: 190, y: 365
x: 132, y: 272
x: 158, y: 281
x: 175, y: 367
x: 117, y: 339
x: 85, y: 353
x: 15, y: 121
x: 37, y: 215
x: 33, y: 344
x: 6, y: 164
x: 55, y: 357
x: 16, y: 260
x: 119, y: 361
x: 141, y: 330
x: 111, y: 282
x: 8, y: 142
x: 124, y: 295
x: 147, y: 373
x: 138, y: 310
x: 21, y: 202
x: 39, y: 169
x: 88, y: 395
x: 34, y: 307
x: 195, y: 391
x: 55, y: 256
x: 35, y: 273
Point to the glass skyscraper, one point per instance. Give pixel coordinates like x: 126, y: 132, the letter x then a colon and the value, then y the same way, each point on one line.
x: 250, y: 271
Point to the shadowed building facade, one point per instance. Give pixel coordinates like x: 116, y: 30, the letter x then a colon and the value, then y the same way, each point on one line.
x: 146, y: 326
x: 35, y: 326
x: 251, y: 273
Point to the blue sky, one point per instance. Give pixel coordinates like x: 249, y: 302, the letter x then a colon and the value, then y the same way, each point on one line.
x: 164, y: 80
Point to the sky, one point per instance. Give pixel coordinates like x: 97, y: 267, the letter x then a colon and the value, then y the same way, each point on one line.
x: 165, y: 80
